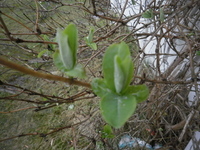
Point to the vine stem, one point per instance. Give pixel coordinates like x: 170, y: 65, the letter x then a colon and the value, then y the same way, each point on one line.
x: 34, y: 73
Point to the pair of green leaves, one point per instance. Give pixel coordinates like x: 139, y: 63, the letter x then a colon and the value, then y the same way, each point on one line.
x: 65, y: 58
x: 118, y: 67
x: 89, y: 40
x: 118, y: 98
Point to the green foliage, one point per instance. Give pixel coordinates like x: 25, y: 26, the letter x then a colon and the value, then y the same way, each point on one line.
x: 99, y: 145
x: 77, y: 71
x: 99, y: 87
x: 191, y: 34
x: 198, y: 52
x: 117, y: 67
x: 65, y: 58
x: 67, y: 41
x: 46, y: 51
x: 107, y: 132
x: 46, y: 38
x: 89, y: 40
x: 41, y: 53
x: 148, y: 14
x: 93, y: 46
x: 116, y: 109
x: 118, y: 98
x: 141, y: 92
x: 133, y: 2
x: 162, y: 16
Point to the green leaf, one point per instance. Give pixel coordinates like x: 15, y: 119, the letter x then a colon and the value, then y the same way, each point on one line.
x: 71, y: 148
x: 108, y: 65
x: 93, y: 46
x: 99, y: 87
x: 162, y: 15
x: 119, y: 75
x: 46, y: 38
x: 107, y: 129
x: 90, y: 36
x: 107, y: 132
x: 198, y: 52
x: 141, y: 92
x: 78, y: 71
x: 148, y: 14
x: 128, y: 71
x: 66, y: 54
x: 122, y: 51
x: 116, y: 109
x: 72, y: 33
x: 67, y: 42
x: 58, y: 62
x: 191, y: 34
x: 133, y: 2
x: 41, y: 53
x: 89, y: 39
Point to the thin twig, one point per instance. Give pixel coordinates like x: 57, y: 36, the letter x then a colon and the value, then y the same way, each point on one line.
x: 25, y: 70
x: 190, y: 116
x: 45, y: 134
x: 17, y: 110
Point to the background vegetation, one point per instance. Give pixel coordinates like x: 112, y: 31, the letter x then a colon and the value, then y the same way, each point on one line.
x: 41, y: 114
